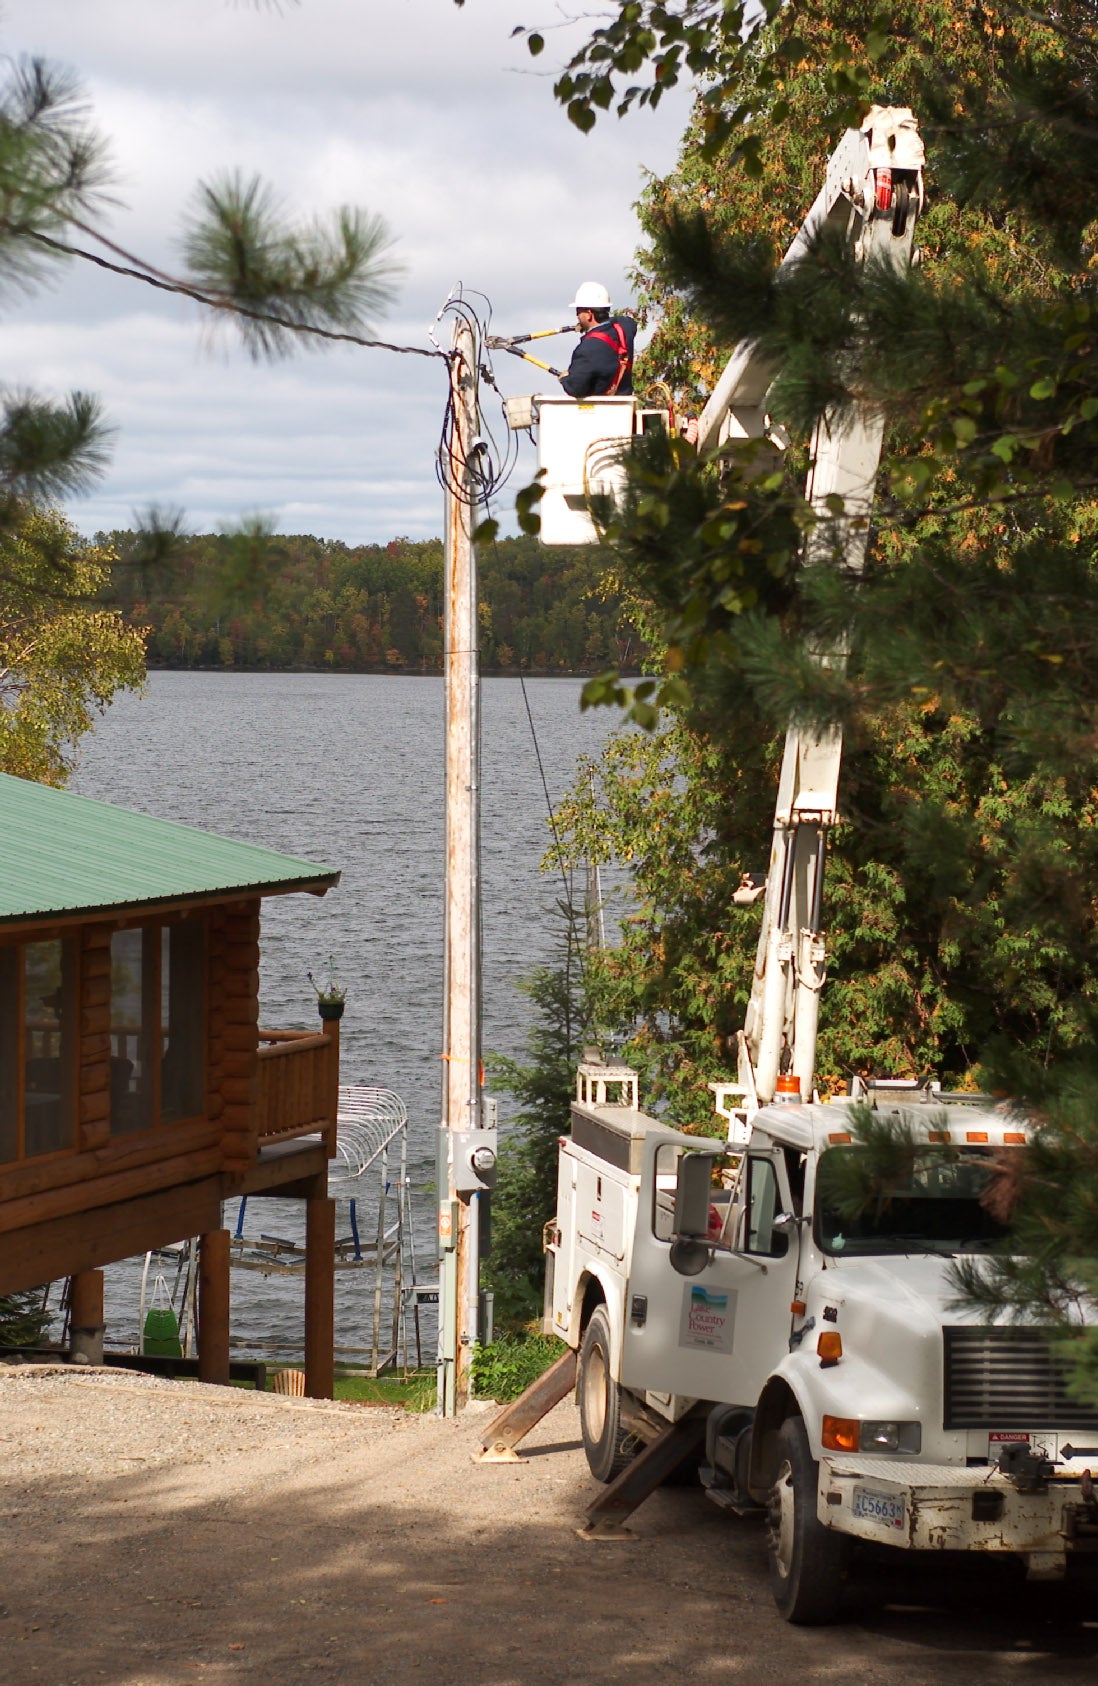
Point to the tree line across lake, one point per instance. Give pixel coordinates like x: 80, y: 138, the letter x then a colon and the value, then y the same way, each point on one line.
x: 252, y: 600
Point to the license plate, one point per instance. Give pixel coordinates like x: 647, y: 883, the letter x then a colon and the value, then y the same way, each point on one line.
x: 885, y: 1508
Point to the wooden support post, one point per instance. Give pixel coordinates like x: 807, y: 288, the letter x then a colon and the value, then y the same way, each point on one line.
x: 330, y: 1014
x: 86, y: 1317
x: 213, y: 1307
x: 319, y: 1297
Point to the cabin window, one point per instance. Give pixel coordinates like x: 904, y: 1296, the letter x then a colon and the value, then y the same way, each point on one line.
x: 37, y: 1049
x: 49, y: 988
x: 157, y: 1022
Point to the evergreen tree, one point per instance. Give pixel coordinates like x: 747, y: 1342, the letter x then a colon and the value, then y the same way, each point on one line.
x: 525, y: 1198
x: 23, y: 1322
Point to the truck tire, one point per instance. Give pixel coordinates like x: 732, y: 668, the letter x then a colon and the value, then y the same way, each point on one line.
x: 607, y: 1446
x: 807, y: 1561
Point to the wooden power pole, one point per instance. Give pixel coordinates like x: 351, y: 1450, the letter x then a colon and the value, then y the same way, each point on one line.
x: 467, y: 1146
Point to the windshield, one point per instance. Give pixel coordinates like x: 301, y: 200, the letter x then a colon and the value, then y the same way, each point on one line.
x: 936, y: 1208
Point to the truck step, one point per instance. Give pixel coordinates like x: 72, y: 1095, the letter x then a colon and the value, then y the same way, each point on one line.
x: 725, y: 1499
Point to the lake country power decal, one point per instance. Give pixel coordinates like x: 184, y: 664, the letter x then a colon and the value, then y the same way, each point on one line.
x: 708, y: 1317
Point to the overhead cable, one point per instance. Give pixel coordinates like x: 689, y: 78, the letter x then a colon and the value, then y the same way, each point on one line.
x: 222, y: 301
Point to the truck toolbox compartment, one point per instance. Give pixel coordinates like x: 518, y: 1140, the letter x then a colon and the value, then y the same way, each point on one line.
x: 616, y: 1134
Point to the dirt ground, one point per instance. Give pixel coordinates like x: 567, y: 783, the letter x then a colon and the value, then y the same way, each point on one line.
x: 155, y: 1533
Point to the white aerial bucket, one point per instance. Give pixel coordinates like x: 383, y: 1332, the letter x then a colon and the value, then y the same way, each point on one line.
x: 579, y: 447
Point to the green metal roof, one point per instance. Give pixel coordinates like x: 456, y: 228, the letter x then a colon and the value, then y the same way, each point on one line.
x: 64, y: 854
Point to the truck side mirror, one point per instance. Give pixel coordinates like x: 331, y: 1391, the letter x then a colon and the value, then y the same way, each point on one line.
x: 688, y: 1257
x: 693, y: 1194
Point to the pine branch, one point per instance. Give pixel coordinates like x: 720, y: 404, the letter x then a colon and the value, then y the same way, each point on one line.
x: 50, y: 450
x: 53, y: 164
x: 239, y: 248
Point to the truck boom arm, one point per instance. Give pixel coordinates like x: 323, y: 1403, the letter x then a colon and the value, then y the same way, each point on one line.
x: 872, y: 193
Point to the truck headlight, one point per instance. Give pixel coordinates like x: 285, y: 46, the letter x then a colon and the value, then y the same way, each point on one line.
x: 892, y: 1437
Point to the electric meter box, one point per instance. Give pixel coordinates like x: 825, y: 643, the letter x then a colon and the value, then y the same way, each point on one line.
x: 580, y: 444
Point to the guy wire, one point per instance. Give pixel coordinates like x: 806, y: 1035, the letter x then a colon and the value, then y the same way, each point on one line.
x: 566, y: 879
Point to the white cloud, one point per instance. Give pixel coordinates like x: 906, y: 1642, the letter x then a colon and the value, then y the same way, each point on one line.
x: 425, y: 113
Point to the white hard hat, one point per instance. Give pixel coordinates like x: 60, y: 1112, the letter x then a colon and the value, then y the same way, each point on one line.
x: 591, y: 295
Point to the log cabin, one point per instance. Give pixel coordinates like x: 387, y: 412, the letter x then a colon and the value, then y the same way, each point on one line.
x: 137, y: 1090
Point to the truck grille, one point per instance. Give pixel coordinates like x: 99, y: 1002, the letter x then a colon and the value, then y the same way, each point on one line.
x: 1008, y: 1378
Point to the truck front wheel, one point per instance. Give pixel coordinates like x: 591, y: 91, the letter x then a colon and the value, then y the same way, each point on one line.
x: 807, y: 1561
x: 607, y: 1446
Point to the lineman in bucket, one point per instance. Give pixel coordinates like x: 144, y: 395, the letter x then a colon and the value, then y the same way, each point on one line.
x: 602, y: 363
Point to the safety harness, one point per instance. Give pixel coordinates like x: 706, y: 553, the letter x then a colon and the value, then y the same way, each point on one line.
x: 613, y: 334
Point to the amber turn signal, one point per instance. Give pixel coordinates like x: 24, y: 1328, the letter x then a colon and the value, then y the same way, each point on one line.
x: 840, y: 1434
x: 829, y: 1347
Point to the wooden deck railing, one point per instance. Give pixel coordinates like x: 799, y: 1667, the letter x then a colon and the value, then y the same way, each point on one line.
x: 298, y: 1091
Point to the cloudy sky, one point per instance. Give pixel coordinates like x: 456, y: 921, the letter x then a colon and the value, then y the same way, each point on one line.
x: 429, y: 115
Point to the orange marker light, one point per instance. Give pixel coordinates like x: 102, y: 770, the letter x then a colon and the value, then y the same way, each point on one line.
x: 840, y: 1434
x: 798, y: 1308
x: 939, y: 1135
x: 838, y: 1136
x: 975, y: 1135
x: 830, y: 1346
x: 1016, y: 1138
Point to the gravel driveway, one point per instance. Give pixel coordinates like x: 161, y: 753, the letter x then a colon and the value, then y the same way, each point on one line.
x: 160, y: 1532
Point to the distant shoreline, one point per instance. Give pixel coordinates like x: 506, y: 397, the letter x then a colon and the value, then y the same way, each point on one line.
x: 383, y: 671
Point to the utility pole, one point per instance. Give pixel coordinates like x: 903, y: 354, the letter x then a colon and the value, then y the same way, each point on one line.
x: 467, y: 1139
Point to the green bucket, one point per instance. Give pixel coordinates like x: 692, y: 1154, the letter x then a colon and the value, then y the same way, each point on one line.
x: 160, y: 1337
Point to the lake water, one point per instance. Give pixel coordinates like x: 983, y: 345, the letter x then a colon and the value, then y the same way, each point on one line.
x: 348, y: 771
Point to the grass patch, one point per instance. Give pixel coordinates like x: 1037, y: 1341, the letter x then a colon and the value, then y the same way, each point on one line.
x: 414, y: 1392
x: 506, y: 1368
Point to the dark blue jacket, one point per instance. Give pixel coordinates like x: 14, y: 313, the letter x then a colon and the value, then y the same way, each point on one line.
x: 595, y: 360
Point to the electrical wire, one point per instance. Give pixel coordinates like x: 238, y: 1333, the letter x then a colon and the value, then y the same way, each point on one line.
x: 477, y: 474
x: 218, y: 301
x: 568, y: 904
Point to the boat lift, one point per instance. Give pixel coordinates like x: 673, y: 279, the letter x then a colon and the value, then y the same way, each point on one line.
x: 372, y: 1136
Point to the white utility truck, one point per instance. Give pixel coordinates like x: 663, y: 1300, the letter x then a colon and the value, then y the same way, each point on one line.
x: 842, y: 1389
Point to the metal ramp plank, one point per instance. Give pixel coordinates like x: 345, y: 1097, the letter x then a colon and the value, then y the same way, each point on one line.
x: 648, y: 1470
x: 517, y: 1419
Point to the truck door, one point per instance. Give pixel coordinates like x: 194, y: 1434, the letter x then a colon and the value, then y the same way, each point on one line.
x: 719, y: 1334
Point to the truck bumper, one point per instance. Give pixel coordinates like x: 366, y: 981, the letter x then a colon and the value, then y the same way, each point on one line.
x: 940, y: 1507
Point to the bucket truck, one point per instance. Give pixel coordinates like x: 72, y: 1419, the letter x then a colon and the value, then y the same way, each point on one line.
x: 832, y: 1383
